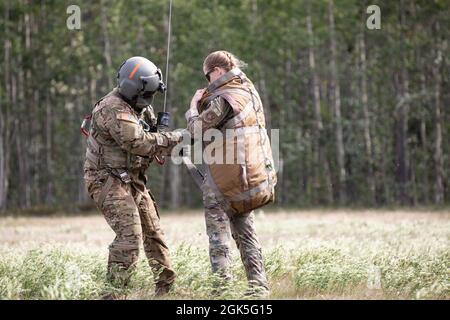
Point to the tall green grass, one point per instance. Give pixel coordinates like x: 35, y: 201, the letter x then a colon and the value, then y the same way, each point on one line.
x: 361, y: 270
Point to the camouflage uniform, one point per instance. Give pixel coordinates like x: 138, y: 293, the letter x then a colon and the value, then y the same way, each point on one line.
x: 118, y: 153
x: 218, y: 222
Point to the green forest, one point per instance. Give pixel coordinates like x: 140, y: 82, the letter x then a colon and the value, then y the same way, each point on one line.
x: 363, y: 113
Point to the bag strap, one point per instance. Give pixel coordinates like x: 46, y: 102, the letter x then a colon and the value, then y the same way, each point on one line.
x: 105, y: 189
x: 235, y: 72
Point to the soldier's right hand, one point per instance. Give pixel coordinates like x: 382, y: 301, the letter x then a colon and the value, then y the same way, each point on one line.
x: 166, y: 141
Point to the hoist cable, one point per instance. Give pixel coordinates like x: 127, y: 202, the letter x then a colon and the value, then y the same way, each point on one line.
x: 168, y: 52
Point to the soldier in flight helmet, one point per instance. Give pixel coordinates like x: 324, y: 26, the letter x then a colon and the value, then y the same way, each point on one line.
x: 120, y: 147
x: 138, y: 79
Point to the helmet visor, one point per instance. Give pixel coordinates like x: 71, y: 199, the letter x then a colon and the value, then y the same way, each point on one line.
x: 153, y: 83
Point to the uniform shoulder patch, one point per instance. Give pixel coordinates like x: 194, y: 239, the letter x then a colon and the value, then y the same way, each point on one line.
x: 125, y: 116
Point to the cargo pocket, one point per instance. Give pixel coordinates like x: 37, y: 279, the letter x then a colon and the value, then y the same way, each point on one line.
x: 94, y: 184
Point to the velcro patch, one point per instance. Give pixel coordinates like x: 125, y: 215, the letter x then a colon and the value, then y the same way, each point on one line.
x: 210, y: 116
x: 124, y: 116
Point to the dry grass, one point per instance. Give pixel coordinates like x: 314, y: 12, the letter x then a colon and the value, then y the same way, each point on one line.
x: 315, y: 254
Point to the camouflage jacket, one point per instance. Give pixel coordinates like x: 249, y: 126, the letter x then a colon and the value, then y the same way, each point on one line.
x: 117, y: 139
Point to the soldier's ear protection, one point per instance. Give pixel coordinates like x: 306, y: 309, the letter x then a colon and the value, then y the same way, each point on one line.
x: 128, y: 88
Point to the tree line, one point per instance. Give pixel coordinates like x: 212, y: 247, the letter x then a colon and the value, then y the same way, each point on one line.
x: 363, y: 114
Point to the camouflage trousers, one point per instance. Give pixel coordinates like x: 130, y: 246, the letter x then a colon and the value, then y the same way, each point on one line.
x: 218, y: 227
x: 133, y: 216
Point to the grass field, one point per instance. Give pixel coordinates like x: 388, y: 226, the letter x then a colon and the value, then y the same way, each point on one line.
x: 308, y: 254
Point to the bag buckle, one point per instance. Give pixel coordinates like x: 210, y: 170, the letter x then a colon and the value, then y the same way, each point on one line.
x: 125, y: 177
